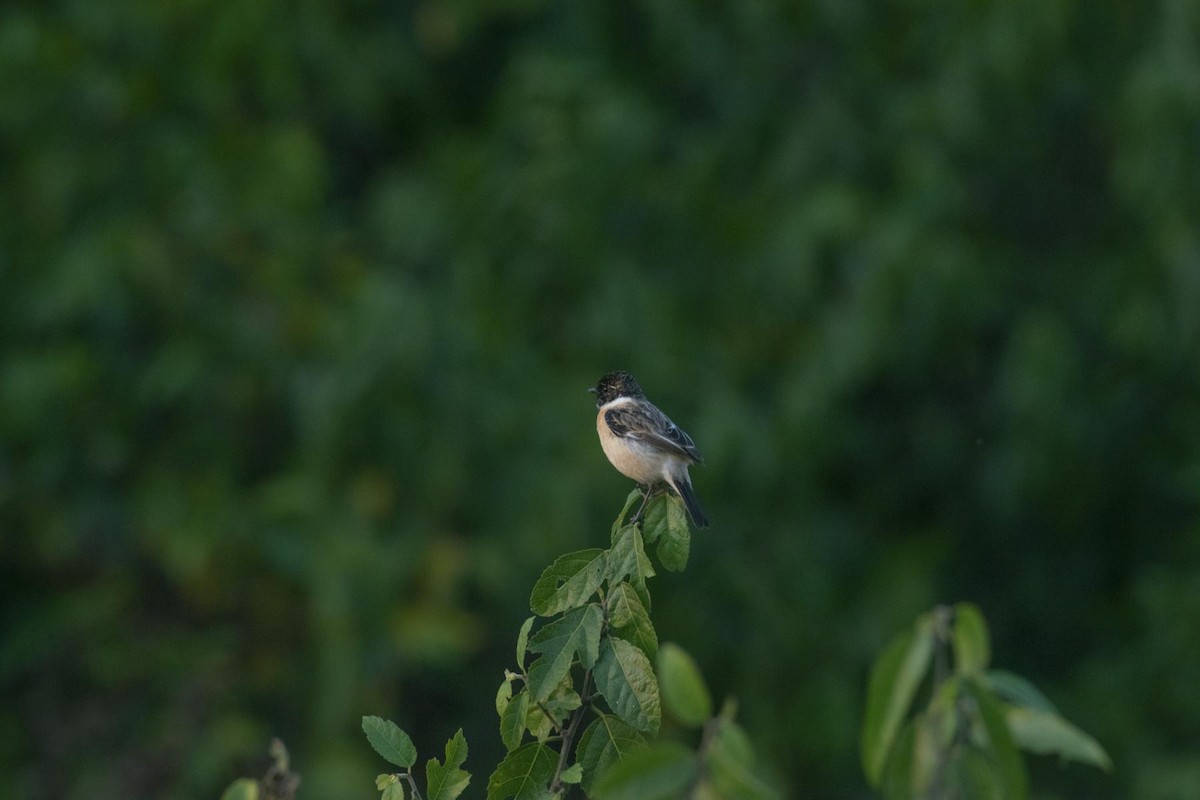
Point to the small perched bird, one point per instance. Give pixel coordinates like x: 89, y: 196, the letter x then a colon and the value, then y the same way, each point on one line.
x: 643, y: 444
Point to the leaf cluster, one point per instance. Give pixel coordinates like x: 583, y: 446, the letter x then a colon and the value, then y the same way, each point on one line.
x: 966, y: 741
x: 444, y: 780
x: 279, y: 782
x: 585, y: 704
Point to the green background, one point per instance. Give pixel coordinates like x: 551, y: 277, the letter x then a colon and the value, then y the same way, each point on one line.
x: 299, y: 301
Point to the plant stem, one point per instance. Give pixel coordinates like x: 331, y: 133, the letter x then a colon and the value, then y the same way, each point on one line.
x: 943, y: 624
x: 569, y: 734
x: 706, y: 743
x: 412, y: 785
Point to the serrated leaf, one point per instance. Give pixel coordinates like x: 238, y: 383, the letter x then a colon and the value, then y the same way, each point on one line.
x: 393, y: 791
x: 503, y: 696
x: 524, y: 773
x: 627, y: 558
x: 656, y: 772
x: 241, y: 789
x: 683, y: 690
x: 568, y: 583
x: 893, y: 684
x: 654, y: 520
x: 1046, y: 733
x: 631, y: 621
x: 666, y: 523
x: 604, y: 742
x: 389, y: 741
x: 577, y: 632
x: 1018, y: 691
x: 539, y: 724
x: 386, y: 780
x: 999, y: 747
x: 572, y: 774
x: 972, y: 648
x: 634, y: 496
x: 512, y: 721
x: 673, y: 551
x: 625, y: 678
x: 523, y: 642
x: 543, y: 718
x: 731, y: 765
x: 446, y: 781
x: 675, y: 540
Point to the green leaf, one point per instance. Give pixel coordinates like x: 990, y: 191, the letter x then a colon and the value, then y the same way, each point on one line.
x: 654, y: 521
x: 669, y: 527
x: 972, y: 648
x: 674, y: 549
x: 386, y: 780
x: 927, y: 755
x: 631, y: 621
x: 894, y: 681
x: 393, y: 791
x: 446, y: 781
x: 627, y: 558
x: 896, y: 778
x: 934, y: 731
x: 578, y: 631
x: 656, y: 772
x: 503, y: 696
x: 731, y: 765
x: 544, y: 717
x: 999, y: 746
x: 634, y: 496
x: 512, y: 721
x: 683, y: 690
x: 604, y: 742
x: 522, y: 642
x: 389, y: 741
x: 1046, y: 733
x: 524, y: 773
x: 568, y: 583
x: 279, y: 754
x: 241, y: 789
x: 572, y: 774
x: 626, y: 679
x: 540, y: 724
x: 1018, y: 691
x: 975, y: 777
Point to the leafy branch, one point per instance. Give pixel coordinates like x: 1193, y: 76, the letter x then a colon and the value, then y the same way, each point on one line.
x: 966, y: 741
x: 586, y: 710
x: 591, y: 629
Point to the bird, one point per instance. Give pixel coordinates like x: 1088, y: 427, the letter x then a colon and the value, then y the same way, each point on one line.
x: 644, y: 444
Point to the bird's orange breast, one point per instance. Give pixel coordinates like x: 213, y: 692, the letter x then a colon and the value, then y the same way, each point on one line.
x: 640, y: 463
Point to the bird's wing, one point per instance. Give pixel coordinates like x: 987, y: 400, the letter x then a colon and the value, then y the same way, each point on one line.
x: 644, y: 422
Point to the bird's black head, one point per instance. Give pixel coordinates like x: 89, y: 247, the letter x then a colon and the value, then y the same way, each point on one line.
x: 614, y: 385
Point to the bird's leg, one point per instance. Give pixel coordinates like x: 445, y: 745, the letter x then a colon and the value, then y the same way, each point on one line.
x: 647, y: 493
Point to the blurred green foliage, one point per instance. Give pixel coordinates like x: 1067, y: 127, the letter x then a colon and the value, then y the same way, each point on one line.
x: 298, y: 303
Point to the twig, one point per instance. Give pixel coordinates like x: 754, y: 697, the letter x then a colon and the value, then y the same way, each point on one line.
x: 412, y: 785
x: 569, y: 734
x: 706, y: 743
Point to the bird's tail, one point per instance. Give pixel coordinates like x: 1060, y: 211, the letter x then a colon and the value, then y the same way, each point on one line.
x: 683, y: 485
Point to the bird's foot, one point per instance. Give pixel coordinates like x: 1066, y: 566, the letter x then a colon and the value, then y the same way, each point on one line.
x: 647, y: 494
